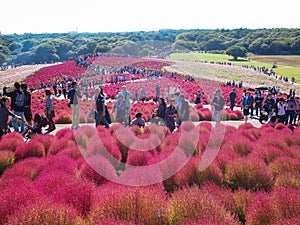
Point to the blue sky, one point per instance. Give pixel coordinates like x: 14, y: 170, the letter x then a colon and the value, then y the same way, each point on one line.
x: 42, y: 16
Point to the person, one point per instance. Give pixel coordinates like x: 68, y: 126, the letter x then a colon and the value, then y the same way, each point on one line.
x: 185, y: 110
x: 161, y: 111
x: 258, y: 102
x: 120, y: 108
x: 269, y: 104
x: 27, y: 104
x: 290, y: 110
x: 73, y: 96
x: 138, y: 121
x: 218, y: 105
x: 198, y: 97
x: 136, y: 96
x: 100, y: 110
x: 49, y: 111
x: 170, y: 115
x: 246, y: 104
x: 281, y: 110
x: 157, y: 92
x: 172, y: 91
x: 126, y: 95
x: 4, y: 114
x: 143, y: 94
x: 297, y: 110
x: 273, y: 120
x: 17, y: 105
x: 232, y: 97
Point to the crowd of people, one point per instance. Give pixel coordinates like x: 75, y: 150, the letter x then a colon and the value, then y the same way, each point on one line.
x: 172, y: 115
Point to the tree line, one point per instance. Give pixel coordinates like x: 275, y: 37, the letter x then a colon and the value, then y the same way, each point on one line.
x: 31, y: 48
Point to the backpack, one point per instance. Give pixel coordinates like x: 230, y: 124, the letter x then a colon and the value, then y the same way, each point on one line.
x: 20, y: 99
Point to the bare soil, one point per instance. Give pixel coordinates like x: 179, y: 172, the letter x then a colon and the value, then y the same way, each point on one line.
x: 286, y: 60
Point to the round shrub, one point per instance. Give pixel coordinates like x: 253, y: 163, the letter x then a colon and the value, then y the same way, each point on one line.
x: 45, y: 212
x: 63, y: 118
x: 248, y: 173
x: 7, y: 159
x: 139, y: 204
x: 192, y: 203
x: 27, y: 168
x: 30, y: 149
x: 11, y: 141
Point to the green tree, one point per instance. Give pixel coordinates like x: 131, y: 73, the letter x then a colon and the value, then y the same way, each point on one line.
x: 102, y: 48
x: 236, y: 51
x: 3, y: 58
x: 45, y: 52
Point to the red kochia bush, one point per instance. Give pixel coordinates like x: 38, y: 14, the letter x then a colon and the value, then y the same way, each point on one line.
x: 45, y: 212
x: 97, y: 169
x: 29, y: 168
x: 30, y: 149
x: 7, y: 158
x: 192, y: 203
x: 280, y: 204
x: 64, y: 188
x: 143, y: 205
x: 46, y: 140
x: 11, y: 141
x: 61, y: 144
x: 14, y: 195
x: 239, y: 144
x: 248, y: 173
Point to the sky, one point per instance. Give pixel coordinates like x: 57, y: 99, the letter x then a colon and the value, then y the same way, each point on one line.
x: 61, y: 16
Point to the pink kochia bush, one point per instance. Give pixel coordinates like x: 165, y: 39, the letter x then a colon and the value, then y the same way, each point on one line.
x: 15, y: 194
x: 142, y: 205
x: 192, y: 203
x: 45, y: 212
x: 65, y: 189
x: 11, y: 141
x: 248, y: 173
x: 281, y: 204
x: 7, y: 159
x: 30, y: 149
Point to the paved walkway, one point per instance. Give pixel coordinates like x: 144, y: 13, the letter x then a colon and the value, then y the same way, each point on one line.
x: 234, y: 123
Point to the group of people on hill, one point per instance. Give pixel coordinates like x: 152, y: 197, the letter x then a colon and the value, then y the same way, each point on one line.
x: 20, y: 109
x: 284, y: 110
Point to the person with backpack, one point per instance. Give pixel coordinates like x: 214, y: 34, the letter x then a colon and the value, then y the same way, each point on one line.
x: 17, y: 105
x: 290, y: 110
x: 27, y: 104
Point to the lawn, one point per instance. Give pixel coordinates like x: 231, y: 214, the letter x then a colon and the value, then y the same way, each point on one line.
x: 286, y: 65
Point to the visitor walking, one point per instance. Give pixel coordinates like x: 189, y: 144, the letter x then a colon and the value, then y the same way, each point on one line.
x: 73, y: 96
x: 218, y: 103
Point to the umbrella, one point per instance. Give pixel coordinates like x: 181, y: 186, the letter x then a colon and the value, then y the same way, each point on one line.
x: 262, y: 88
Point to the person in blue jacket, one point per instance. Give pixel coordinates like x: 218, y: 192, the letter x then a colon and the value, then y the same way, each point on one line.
x: 246, y: 105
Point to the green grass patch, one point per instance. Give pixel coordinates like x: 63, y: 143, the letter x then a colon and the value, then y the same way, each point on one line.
x: 281, y: 70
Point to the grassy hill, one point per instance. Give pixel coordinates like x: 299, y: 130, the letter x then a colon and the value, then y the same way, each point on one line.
x: 286, y: 65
